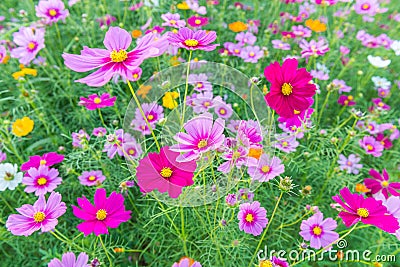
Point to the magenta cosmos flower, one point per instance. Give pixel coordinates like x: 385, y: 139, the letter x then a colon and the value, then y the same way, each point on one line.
x: 30, y: 42
x: 106, y: 212
x: 318, y: 231
x: 313, y: 48
x: 266, y: 169
x: 197, y: 21
x: 202, y: 135
x: 371, y: 146
x: 252, y: 218
x: 380, y: 183
x: 48, y: 159
x: 115, y: 60
x: 51, y: 11
x: 41, y: 216
x: 368, y: 211
x: 94, y: 101
x: 290, y: 88
x: 188, y: 39
x: 91, y: 178
x: 41, y: 180
x: 163, y: 172
x: 69, y: 260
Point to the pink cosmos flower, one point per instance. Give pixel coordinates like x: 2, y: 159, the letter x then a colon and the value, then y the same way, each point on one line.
x: 371, y: 146
x: 3, y: 156
x: 91, y: 178
x: 366, y: 7
x: 41, y: 180
x: 244, y: 38
x: 318, y: 231
x: 313, y: 48
x: 380, y: 183
x: 51, y: 11
x: 290, y: 88
x: 99, y: 131
x: 301, y: 31
x: 188, y: 39
x: 346, y: 100
x: 106, y: 20
x: 249, y: 133
x: 48, y: 159
x: 200, y: 82
x: 266, y: 169
x: 94, y: 101
x: 80, y: 139
x: 301, y: 119
x: 350, y: 164
x: 367, y: 210
x: 69, y: 260
x: 30, y: 42
x: 286, y: 143
x: 278, y: 44
x: 202, y: 135
x: 341, y: 85
x: 173, y: 20
x: 236, y: 158
x: 197, y: 21
x: 186, y: 262
x: 380, y: 105
x: 115, y: 60
x: 251, y: 54
x: 106, y: 212
x: 41, y: 216
x: 223, y: 110
x: 3, y: 55
x: 116, y: 143
x: 163, y: 172
x: 252, y: 218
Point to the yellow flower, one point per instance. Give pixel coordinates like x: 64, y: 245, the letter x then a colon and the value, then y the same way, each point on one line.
x: 174, y: 61
x: 22, y: 127
x: 168, y: 100
x: 316, y: 25
x: 238, y: 26
x: 183, y: 6
x: 24, y: 71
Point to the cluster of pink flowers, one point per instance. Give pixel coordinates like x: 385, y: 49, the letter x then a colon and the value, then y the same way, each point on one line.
x: 244, y: 48
x: 371, y: 41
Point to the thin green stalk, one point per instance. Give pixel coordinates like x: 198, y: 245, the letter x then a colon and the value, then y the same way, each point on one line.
x: 292, y: 223
x: 101, y: 118
x: 105, y: 250
x: 183, y: 231
x: 143, y: 115
x: 323, y: 106
x: 186, y: 87
x: 265, y: 231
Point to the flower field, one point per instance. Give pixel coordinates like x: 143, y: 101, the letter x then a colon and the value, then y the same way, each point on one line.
x: 199, y: 133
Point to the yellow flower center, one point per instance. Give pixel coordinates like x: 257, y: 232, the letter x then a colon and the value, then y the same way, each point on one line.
x: 119, y: 56
x: 8, y: 176
x: 284, y: 144
x: 135, y: 76
x: 295, y: 111
x: 222, y: 111
x: 39, y: 217
x: 199, y: 85
x: 31, y: 45
x: 131, y: 151
x: 266, y: 263
x: 265, y: 169
x: 202, y: 143
x: 346, y: 102
x: 101, y: 214
x: 43, y: 162
x: 166, y: 172
x: 236, y: 51
x: 92, y: 178
x: 249, y: 218
x: 172, y: 21
x: 52, y: 12
x: 42, y: 181
x: 380, y: 104
x: 251, y: 54
x: 349, y: 163
x: 317, y: 230
x: 363, y: 212
x: 369, y: 147
x: 287, y: 89
x: 191, y: 42
x: 385, y: 183
x: 207, y: 104
x: 350, y: 97
x: 236, y: 155
x: 97, y: 100
x: 197, y: 21
x: 365, y: 6
x: 150, y: 117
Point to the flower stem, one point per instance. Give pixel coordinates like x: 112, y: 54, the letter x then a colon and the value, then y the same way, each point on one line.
x: 183, y: 231
x: 143, y: 115
x: 266, y: 230
x: 105, y: 250
x: 101, y: 118
x: 323, y: 106
x: 186, y: 87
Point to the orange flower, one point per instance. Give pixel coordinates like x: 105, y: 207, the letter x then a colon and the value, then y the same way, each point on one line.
x: 255, y: 152
x: 316, y: 25
x: 22, y: 127
x: 361, y: 188
x: 136, y: 33
x: 144, y: 90
x: 238, y: 26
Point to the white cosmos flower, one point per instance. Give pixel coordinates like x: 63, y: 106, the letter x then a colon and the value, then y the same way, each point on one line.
x: 378, y: 61
x: 381, y: 82
x: 396, y: 47
x: 9, y: 176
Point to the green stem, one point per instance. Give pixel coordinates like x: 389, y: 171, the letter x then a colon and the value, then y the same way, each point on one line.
x: 298, y: 220
x: 323, y: 106
x: 186, y: 87
x: 183, y: 231
x: 101, y: 118
x: 105, y: 250
x: 143, y: 115
x: 266, y: 230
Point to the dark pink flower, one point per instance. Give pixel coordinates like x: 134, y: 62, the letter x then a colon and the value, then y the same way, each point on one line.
x: 48, y: 159
x: 367, y: 210
x: 94, y: 101
x: 197, y: 21
x: 346, y: 100
x: 106, y: 212
x: 51, y: 11
x: 162, y: 172
x: 380, y: 183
